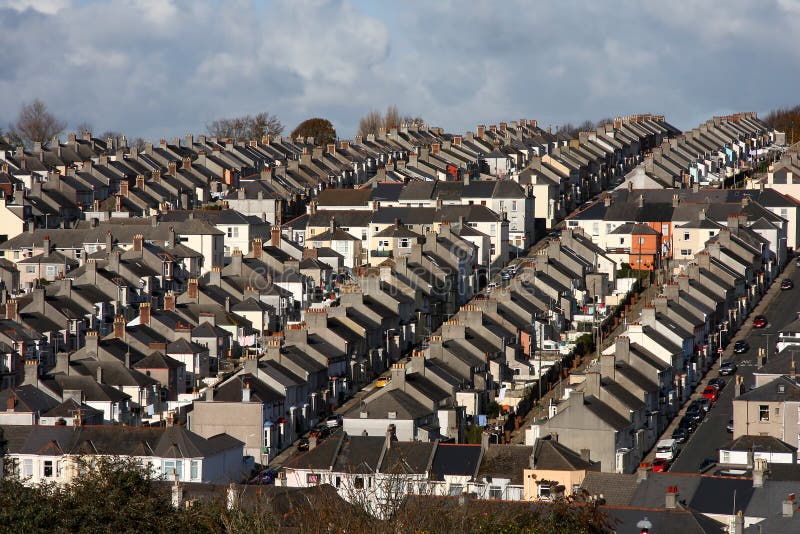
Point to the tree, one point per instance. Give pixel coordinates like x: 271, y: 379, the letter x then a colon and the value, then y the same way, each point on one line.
x: 785, y: 120
x: 245, y: 127
x: 372, y: 122
x: 35, y: 124
x: 83, y: 127
x: 320, y: 129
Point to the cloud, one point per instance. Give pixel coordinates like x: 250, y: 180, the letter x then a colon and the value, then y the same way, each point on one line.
x: 165, y: 68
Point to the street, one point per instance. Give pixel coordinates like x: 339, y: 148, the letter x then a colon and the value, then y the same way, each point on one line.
x: 780, y: 308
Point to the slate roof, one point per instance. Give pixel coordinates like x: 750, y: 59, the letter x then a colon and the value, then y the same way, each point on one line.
x: 403, y: 404
x: 407, y: 457
x: 760, y: 444
x: 165, y: 442
x: 551, y: 455
x: 781, y: 389
x: 617, y: 489
x: 506, y: 461
x: 455, y: 459
x: 27, y: 398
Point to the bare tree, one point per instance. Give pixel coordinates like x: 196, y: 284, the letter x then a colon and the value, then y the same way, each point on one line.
x: 392, y: 117
x: 245, y: 127
x: 370, y: 123
x: 373, y: 121
x: 35, y: 123
x: 83, y: 127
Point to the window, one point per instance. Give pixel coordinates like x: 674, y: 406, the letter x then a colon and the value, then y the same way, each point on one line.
x: 572, y: 224
x: 194, y: 470
x: 726, y: 457
x: 233, y: 231
x: 48, y: 468
x: 312, y: 479
x: 358, y: 483
x: 608, y: 228
x: 664, y: 229
x: 30, y: 269
x: 513, y: 205
x: 363, y: 235
x: 383, y: 243
x: 544, y: 491
x: 640, y: 240
x: 404, y: 242
x: 621, y: 240
x: 686, y: 236
x: 27, y: 468
x: 455, y: 489
x: 172, y: 469
x: 493, y: 229
x: 595, y: 228
x: 16, y: 254
x: 686, y: 252
x: 495, y: 492
x: 338, y: 481
x: 763, y: 413
x: 377, y: 229
x: 777, y: 411
x: 51, y: 270
x: 711, y: 233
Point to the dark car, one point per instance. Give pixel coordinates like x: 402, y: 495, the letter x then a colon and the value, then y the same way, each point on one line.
x: 302, y: 444
x: 688, y: 424
x: 759, y: 321
x: 718, y: 383
x: 728, y: 367
x: 787, y: 284
x: 741, y: 346
x: 680, y: 434
x: 703, y: 404
x: 695, y: 413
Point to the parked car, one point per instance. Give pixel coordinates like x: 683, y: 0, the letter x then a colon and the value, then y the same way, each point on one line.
x: 797, y: 262
x: 711, y: 393
x: 666, y: 449
x: 688, y: 423
x: 787, y: 284
x: 728, y: 367
x: 703, y: 404
x: 696, y: 413
x: 334, y: 421
x: 729, y: 427
x: 660, y: 465
x: 718, y: 383
x: 302, y: 444
x: 759, y: 321
x: 741, y: 346
x: 680, y: 434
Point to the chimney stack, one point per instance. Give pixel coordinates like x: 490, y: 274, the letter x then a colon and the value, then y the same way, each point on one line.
x: 11, y: 310
x: 169, y: 301
x: 119, y: 327
x: 138, y: 241
x: 191, y: 289
x: 672, y: 497
x: 787, y: 506
x: 275, y: 236
x: 144, y: 313
x: 258, y: 248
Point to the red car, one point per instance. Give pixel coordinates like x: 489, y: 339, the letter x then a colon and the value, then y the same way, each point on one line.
x: 759, y: 321
x: 660, y: 465
x: 711, y: 393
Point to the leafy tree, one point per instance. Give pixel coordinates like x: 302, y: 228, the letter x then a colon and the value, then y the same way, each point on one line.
x: 493, y: 410
x: 245, y: 127
x: 320, y: 129
x: 35, y: 124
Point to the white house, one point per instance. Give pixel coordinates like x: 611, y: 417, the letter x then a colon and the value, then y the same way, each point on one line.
x: 53, y: 453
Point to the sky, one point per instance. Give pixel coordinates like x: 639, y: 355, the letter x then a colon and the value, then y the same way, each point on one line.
x: 165, y: 68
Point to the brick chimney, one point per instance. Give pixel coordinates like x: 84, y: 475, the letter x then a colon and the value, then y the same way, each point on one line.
x: 144, y: 313
x: 10, y: 403
x: 119, y: 327
x: 275, y: 236
x: 191, y: 289
x: 138, y: 241
x: 46, y: 246
x: 169, y: 301
x: 11, y: 310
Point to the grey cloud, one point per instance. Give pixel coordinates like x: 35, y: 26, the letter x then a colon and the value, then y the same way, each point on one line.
x: 166, y: 68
